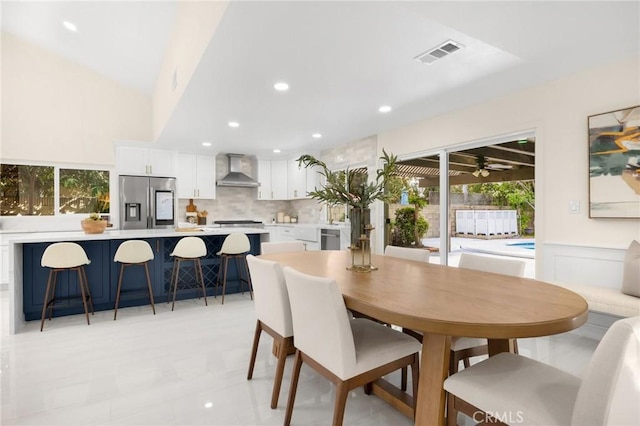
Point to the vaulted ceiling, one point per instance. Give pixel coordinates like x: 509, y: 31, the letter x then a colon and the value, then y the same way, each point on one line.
x: 341, y: 59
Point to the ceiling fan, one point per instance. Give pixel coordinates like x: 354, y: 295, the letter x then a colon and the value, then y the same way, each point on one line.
x: 483, y: 168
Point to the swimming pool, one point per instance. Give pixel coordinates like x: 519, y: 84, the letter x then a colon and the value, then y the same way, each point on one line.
x: 527, y: 245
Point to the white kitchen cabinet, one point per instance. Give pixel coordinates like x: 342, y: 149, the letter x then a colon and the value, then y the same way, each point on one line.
x: 296, y: 181
x: 196, y: 176
x: 264, y: 177
x: 279, y: 179
x: 285, y: 233
x: 313, y: 179
x: 272, y: 176
x: 144, y: 161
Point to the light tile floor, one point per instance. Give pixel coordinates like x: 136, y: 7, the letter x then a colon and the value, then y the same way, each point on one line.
x: 186, y: 367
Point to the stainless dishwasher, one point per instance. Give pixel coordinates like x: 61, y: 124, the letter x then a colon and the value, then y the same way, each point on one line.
x: 329, y: 239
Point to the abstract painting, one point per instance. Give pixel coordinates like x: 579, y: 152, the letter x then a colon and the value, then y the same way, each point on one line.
x: 614, y: 164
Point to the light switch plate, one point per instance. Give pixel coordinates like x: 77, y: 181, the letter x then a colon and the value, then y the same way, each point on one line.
x: 574, y: 206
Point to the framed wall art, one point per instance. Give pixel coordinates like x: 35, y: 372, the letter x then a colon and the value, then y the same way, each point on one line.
x: 614, y: 164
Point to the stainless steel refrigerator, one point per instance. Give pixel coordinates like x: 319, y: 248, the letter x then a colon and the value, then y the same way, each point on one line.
x: 147, y: 202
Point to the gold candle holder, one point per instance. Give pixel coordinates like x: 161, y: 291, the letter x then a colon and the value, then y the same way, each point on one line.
x: 361, y: 253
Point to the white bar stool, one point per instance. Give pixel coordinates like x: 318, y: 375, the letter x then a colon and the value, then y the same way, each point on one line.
x: 188, y: 248
x: 235, y: 246
x: 130, y: 253
x: 65, y: 257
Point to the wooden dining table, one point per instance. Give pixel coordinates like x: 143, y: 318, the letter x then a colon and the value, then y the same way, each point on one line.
x: 443, y: 302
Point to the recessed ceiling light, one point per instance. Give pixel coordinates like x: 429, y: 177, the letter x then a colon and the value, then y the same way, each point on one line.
x: 384, y: 108
x: 281, y: 86
x: 277, y: 151
x: 206, y: 143
x: 71, y: 27
x: 208, y: 404
x: 316, y: 135
x: 233, y: 124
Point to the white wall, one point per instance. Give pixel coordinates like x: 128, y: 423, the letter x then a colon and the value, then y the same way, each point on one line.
x: 558, y: 112
x: 196, y: 22
x: 54, y: 110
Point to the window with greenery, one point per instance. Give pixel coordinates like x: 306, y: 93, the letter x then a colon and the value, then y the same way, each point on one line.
x: 84, y: 191
x: 26, y: 190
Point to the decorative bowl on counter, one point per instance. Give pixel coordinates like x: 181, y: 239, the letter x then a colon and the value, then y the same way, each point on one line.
x: 92, y: 226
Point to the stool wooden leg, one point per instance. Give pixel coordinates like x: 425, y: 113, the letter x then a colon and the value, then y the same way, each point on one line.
x: 146, y: 271
x: 86, y: 282
x: 83, y: 292
x: 199, y: 273
x: 236, y: 259
x: 218, y: 275
x: 115, y: 313
x: 224, y: 277
x: 173, y: 273
x: 53, y: 292
x: 46, y: 300
x: 175, y: 287
x: 246, y: 270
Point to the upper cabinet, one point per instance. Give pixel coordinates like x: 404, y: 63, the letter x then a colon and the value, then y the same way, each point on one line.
x: 144, y: 161
x: 264, y: 177
x: 284, y: 180
x: 196, y: 175
x: 296, y: 181
x: 272, y: 176
x: 279, y: 180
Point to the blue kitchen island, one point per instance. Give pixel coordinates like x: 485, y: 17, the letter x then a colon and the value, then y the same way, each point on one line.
x: 28, y: 279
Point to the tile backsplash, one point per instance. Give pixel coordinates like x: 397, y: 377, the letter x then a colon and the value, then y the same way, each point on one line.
x: 241, y: 203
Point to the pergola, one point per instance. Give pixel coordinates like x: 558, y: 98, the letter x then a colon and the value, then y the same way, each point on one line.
x: 509, y: 161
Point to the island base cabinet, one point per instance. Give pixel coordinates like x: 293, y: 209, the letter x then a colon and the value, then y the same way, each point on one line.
x: 103, y: 274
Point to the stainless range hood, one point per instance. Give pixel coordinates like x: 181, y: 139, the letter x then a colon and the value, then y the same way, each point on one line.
x: 236, y: 177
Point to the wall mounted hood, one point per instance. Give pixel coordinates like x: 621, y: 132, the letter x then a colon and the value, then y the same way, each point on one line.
x: 235, y: 177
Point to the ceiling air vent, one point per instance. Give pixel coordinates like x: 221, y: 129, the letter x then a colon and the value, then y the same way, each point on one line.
x: 445, y: 49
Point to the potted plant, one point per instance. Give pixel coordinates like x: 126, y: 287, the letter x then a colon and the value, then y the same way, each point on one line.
x: 93, y: 224
x: 353, y: 189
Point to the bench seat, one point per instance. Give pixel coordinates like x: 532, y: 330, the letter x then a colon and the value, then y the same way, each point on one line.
x: 606, y: 300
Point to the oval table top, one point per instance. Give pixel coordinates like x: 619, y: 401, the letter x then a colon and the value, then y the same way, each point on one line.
x: 446, y: 300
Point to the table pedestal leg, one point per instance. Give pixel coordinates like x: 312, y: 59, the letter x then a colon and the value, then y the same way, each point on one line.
x: 434, y: 369
x: 497, y: 346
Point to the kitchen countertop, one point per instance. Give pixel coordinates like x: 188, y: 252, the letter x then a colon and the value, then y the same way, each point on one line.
x: 40, y: 237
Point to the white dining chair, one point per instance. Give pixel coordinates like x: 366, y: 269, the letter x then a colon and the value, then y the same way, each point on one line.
x: 348, y: 352
x: 273, y: 315
x: 463, y: 348
x: 408, y: 253
x: 527, y: 392
x: 281, y: 247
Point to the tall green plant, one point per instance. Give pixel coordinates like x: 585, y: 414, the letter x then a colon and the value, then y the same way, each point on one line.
x: 352, y: 188
x: 407, y: 231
